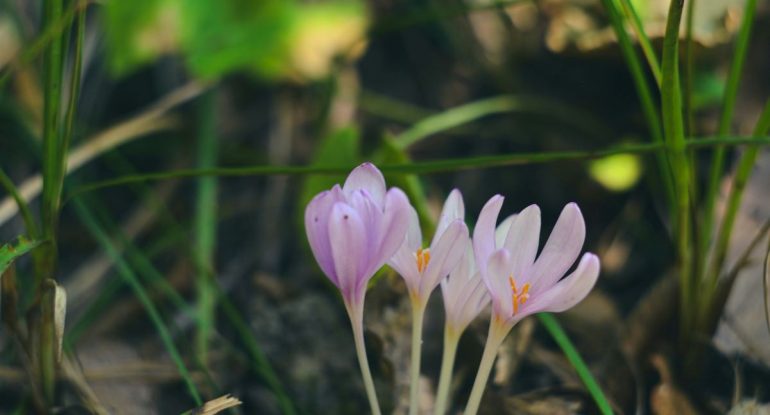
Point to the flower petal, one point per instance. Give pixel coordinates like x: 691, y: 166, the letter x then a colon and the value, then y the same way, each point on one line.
x: 403, y: 261
x: 473, y: 298
x: 561, y: 250
x: 393, y: 227
x: 570, y: 290
x: 484, y: 232
x: 366, y: 176
x: 444, y: 256
x: 454, y: 208
x: 317, y: 229
x: 452, y: 286
x: 501, y: 232
x: 496, y: 279
x: 522, y: 241
x: 347, y: 237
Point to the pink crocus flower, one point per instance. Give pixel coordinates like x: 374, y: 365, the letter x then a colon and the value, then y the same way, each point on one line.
x: 519, y: 281
x: 353, y: 230
x: 520, y: 284
x: 424, y: 268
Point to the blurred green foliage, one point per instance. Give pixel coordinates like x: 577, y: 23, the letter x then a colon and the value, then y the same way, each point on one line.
x: 273, y: 39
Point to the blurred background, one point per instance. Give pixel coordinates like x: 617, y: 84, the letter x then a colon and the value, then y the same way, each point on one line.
x: 209, y: 270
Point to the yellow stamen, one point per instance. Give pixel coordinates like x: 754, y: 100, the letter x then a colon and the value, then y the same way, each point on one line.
x: 423, y: 257
x: 518, y: 297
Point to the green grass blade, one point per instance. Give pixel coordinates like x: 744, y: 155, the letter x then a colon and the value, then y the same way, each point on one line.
x: 434, y: 166
x: 131, y: 279
x: 561, y: 338
x: 466, y: 113
x: 644, y: 40
x: 673, y: 127
x: 645, y: 97
x: 26, y: 214
x: 742, y: 174
x: 728, y: 108
x: 205, y: 224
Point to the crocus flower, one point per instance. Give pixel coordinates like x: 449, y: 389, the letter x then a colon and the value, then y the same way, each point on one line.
x: 424, y: 268
x: 522, y: 283
x: 353, y: 230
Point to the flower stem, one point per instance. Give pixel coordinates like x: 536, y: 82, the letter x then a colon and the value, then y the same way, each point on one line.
x: 418, y: 312
x: 356, y: 322
x: 497, y: 332
x: 451, y: 339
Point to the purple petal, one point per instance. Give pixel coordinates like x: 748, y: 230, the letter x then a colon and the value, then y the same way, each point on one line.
x: 452, y: 285
x: 522, y: 241
x: 454, y: 208
x: 317, y: 229
x: 473, y: 298
x: 484, y: 232
x: 368, y: 177
x: 403, y: 261
x: 392, y: 230
x: 347, y: 237
x: 501, y: 232
x: 569, y: 291
x: 444, y: 255
x: 371, y: 215
x: 496, y: 279
x: 561, y: 250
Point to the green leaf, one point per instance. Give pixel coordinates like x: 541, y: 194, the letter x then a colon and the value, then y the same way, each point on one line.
x: 9, y: 253
x: 140, y: 31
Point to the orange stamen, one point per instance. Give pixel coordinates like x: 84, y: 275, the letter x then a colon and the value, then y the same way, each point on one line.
x: 518, y: 298
x: 423, y: 257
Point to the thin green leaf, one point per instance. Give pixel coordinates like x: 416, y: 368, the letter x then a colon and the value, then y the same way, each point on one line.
x: 644, y: 40
x: 742, y: 174
x: 131, y: 279
x: 466, y: 113
x: 561, y: 338
x: 435, y: 166
x: 206, y: 224
x: 645, y: 95
x: 728, y: 108
x: 26, y: 214
x: 9, y: 253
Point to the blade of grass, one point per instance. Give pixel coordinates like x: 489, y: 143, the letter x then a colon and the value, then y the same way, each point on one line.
x: 673, y: 127
x: 52, y: 179
x: 44, y: 360
x: 132, y: 280
x: 645, y: 96
x: 742, y: 174
x: 434, y: 166
x: 466, y: 113
x: 26, y: 214
x: 206, y: 223
x: 154, y: 118
x: 725, y: 119
x: 561, y: 338
x: 689, y: 69
x: 644, y: 40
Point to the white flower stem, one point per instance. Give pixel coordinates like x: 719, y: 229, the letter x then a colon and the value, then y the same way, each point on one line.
x: 497, y: 332
x: 451, y: 339
x: 418, y: 312
x: 356, y: 322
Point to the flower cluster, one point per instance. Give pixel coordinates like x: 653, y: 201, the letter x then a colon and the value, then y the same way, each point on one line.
x: 355, y: 229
